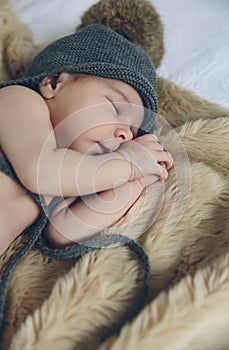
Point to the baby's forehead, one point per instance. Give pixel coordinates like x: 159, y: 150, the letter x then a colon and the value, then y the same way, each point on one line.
x: 126, y: 92
x: 123, y: 91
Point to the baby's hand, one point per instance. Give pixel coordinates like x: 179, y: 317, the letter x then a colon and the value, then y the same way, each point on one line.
x: 147, y: 157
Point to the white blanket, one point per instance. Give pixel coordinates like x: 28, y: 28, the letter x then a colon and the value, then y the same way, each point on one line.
x: 196, y: 38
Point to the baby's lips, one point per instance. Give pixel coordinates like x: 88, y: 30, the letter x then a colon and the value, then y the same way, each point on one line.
x: 110, y: 145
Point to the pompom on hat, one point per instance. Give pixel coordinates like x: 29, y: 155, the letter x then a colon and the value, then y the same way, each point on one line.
x: 98, y: 50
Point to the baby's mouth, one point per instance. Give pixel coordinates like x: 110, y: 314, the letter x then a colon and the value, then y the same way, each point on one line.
x: 111, y: 145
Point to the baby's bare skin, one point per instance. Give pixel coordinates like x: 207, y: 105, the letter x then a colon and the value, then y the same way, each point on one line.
x: 53, y: 172
x: 18, y: 210
x: 114, y: 205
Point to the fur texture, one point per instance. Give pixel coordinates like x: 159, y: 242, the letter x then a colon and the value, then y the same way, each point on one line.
x: 186, y: 239
x: 116, y: 14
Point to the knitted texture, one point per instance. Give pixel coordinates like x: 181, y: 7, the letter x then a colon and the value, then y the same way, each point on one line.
x: 37, y: 236
x: 98, y: 50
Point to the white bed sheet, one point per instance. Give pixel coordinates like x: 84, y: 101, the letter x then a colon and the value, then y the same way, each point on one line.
x: 196, y: 38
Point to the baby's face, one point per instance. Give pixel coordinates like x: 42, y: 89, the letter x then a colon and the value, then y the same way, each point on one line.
x: 95, y: 115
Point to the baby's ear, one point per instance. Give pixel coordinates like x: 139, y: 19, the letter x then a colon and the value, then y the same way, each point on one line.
x: 50, y: 79
x: 48, y: 86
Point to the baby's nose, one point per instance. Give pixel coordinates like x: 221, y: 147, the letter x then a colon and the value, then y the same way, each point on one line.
x: 124, y: 132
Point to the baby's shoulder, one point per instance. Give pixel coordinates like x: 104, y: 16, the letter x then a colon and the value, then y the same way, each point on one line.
x: 20, y: 97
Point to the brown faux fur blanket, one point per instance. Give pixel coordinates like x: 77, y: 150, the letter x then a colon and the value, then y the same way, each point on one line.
x: 72, y: 304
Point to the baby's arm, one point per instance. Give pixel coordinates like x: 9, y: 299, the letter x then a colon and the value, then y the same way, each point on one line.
x: 83, y: 219
x: 28, y: 141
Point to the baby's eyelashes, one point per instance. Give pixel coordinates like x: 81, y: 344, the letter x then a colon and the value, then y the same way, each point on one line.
x: 114, y: 105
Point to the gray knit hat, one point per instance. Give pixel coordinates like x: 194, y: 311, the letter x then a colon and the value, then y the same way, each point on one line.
x: 98, y: 50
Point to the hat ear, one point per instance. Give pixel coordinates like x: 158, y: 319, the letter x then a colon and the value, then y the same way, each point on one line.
x: 137, y: 20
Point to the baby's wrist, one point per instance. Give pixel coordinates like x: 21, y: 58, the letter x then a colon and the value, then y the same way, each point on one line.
x: 125, y: 164
x: 129, y: 167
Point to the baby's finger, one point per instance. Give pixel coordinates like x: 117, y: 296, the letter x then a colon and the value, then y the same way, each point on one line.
x: 156, y: 146
x: 169, y: 162
x: 148, y: 137
x: 165, y: 158
x: 163, y: 172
